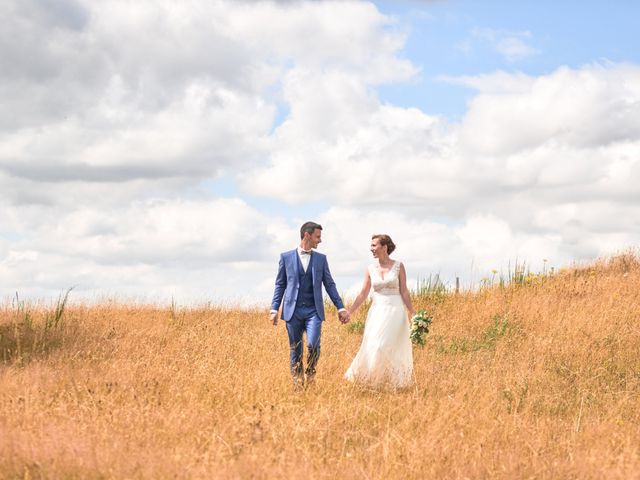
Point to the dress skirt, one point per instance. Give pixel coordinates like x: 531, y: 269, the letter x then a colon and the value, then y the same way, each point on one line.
x: 385, y: 358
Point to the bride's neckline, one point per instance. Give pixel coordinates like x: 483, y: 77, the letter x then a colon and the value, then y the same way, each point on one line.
x: 380, y: 274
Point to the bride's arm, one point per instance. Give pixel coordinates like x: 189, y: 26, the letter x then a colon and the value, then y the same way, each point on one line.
x: 366, y: 286
x: 404, y: 291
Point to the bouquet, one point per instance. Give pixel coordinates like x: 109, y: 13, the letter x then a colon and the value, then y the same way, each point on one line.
x: 420, y: 324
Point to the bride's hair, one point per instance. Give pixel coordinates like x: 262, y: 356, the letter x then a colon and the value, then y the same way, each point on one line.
x: 385, y: 240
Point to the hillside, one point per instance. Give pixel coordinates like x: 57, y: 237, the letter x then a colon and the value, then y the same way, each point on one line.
x: 539, y: 378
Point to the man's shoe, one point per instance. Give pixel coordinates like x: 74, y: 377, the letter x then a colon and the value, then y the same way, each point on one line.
x: 311, y: 380
x: 298, y: 383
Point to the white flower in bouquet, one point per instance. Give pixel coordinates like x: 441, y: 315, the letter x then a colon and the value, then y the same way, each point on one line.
x: 420, y: 324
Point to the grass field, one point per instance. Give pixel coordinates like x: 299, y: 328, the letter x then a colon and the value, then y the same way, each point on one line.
x: 539, y: 378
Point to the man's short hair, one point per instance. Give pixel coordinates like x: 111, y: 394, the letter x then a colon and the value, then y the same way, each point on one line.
x: 309, y: 227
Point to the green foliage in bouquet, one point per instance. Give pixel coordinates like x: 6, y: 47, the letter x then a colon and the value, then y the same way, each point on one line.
x: 420, y: 324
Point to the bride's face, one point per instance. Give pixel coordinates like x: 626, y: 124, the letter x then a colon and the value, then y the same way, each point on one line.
x: 377, y: 249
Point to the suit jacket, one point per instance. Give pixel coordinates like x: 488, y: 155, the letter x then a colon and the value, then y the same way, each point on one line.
x: 288, y: 283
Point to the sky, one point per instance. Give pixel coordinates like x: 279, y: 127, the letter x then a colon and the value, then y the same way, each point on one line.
x: 159, y: 151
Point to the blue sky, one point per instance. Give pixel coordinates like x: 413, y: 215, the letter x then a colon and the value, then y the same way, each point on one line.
x: 563, y: 33
x: 161, y: 150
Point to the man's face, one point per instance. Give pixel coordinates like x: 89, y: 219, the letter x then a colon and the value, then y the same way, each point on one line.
x: 314, y: 238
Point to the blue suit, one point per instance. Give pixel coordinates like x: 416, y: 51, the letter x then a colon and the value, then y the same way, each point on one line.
x: 300, y: 293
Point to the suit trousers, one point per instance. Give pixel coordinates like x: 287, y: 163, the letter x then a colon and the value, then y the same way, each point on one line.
x: 304, y: 320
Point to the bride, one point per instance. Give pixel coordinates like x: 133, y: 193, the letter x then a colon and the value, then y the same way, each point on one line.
x: 385, y: 357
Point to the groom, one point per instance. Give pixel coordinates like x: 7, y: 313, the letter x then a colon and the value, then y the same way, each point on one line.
x: 301, y: 274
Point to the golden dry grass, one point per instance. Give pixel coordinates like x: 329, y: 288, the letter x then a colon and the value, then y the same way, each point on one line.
x: 531, y: 381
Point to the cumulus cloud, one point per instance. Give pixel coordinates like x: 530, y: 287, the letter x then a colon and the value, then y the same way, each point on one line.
x: 593, y: 105
x: 158, y: 89
x: 527, y: 146
x: 115, y: 124
x: 512, y: 46
x: 125, y: 92
x: 187, y: 248
x: 568, y: 128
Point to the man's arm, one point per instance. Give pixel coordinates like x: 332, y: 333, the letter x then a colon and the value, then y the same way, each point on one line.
x: 278, y: 293
x: 332, y: 291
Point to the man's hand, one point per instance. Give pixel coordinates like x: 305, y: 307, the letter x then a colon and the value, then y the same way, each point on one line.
x: 273, y: 317
x: 344, y: 316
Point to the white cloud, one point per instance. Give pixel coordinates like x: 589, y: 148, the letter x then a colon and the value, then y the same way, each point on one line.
x: 513, y: 46
x: 113, y: 126
x: 187, y: 248
x: 164, y: 89
x: 594, y: 105
x: 533, y: 134
x: 526, y: 146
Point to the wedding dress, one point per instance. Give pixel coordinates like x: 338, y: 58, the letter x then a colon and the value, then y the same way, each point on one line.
x: 385, y: 356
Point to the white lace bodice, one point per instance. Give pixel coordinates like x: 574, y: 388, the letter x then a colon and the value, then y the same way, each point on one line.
x: 390, y: 284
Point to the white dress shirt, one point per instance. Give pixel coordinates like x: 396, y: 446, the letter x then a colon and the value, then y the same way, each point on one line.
x: 304, y: 258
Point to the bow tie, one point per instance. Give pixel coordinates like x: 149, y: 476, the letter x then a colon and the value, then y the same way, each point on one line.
x: 305, y: 252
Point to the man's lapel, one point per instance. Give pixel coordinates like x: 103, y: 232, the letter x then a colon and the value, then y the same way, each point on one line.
x: 312, y: 266
x: 296, y: 263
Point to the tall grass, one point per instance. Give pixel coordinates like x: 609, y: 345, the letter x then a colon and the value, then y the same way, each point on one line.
x: 531, y: 379
x: 30, y: 330
x: 431, y: 289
